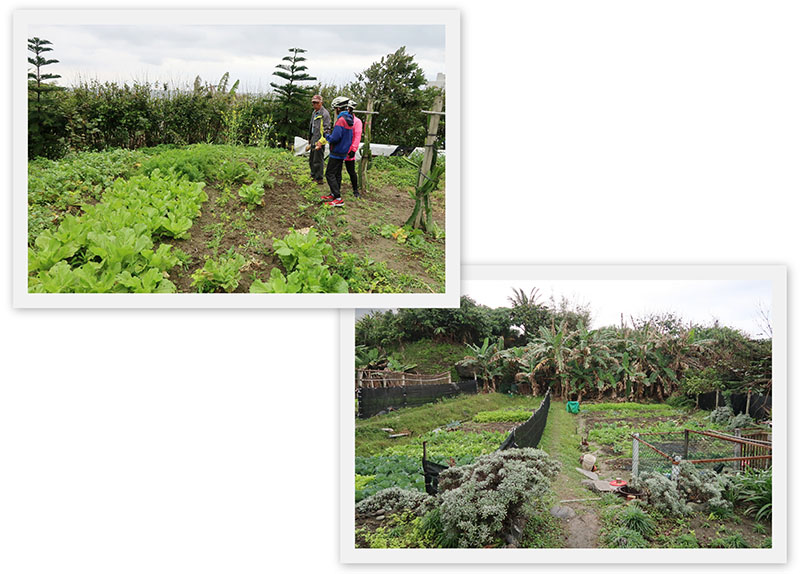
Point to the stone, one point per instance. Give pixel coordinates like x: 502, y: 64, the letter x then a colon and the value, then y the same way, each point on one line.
x: 588, y: 474
x: 563, y: 512
x: 601, y: 486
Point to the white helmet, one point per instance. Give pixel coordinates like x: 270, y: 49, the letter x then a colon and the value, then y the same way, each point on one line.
x: 340, y: 102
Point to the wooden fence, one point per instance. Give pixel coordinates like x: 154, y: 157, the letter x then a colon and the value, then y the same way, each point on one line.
x: 371, y: 379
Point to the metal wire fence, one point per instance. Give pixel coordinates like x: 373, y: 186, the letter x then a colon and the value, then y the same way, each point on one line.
x: 661, y: 452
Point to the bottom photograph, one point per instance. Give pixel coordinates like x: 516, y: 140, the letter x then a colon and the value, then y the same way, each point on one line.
x: 609, y: 415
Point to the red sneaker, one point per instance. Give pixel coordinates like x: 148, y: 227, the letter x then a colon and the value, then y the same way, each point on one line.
x: 327, y: 198
x: 338, y: 202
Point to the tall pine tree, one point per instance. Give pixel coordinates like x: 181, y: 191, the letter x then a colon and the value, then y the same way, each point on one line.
x: 44, y: 122
x: 292, y: 97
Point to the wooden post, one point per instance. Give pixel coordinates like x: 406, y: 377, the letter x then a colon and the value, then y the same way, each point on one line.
x: 686, y: 443
x: 433, y: 129
x: 737, y: 448
x: 366, y: 153
x: 635, y: 459
x: 747, y: 408
x: 422, y: 216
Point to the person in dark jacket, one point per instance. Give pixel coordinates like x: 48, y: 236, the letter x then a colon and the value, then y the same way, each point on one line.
x: 340, y: 140
x: 318, y: 130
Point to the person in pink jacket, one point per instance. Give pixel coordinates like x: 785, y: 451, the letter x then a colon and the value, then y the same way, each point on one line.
x: 350, y: 161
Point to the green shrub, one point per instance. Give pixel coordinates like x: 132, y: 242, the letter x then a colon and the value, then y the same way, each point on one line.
x: 397, y: 500
x: 480, y: 502
x: 661, y: 492
x: 703, y: 486
x: 721, y: 416
x: 740, y: 421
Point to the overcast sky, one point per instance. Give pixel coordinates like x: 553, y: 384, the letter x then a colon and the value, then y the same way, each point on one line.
x: 735, y: 304
x: 176, y: 54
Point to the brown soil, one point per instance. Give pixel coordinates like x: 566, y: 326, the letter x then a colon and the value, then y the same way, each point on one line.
x: 251, y: 231
x: 251, y: 237
x: 583, y: 529
x: 387, y: 204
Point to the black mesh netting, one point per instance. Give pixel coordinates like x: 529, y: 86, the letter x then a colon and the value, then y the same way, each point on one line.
x: 760, y: 405
x: 526, y: 435
x: 376, y: 401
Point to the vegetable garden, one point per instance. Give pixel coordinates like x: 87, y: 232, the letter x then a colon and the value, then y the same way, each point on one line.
x: 222, y: 218
x: 643, y: 379
x: 702, y: 509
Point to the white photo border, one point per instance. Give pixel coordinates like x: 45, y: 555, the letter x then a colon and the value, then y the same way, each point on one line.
x: 775, y: 555
x: 449, y: 18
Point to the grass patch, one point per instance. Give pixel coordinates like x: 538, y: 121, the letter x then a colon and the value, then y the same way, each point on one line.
x: 371, y: 440
x: 561, y: 441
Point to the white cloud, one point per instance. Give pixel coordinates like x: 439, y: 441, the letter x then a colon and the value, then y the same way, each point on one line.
x: 160, y: 53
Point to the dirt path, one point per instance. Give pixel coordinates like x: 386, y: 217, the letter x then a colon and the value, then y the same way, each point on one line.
x: 579, y: 519
x: 583, y: 529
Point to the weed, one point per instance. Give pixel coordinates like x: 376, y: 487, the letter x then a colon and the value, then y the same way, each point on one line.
x: 732, y: 541
x: 622, y: 537
x: 686, y: 540
x: 637, y: 519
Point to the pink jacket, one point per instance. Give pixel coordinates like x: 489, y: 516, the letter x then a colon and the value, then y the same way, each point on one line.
x: 357, y: 128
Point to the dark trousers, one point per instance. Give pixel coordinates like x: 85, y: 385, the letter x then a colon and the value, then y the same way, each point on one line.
x: 316, y: 161
x: 351, y: 171
x: 333, y: 173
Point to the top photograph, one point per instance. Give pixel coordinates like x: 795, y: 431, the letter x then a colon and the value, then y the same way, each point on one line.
x: 236, y: 158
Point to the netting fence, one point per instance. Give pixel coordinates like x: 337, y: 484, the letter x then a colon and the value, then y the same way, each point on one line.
x: 526, y: 435
x: 662, y: 452
x: 383, y: 399
x: 529, y: 433
x: 758, y: 406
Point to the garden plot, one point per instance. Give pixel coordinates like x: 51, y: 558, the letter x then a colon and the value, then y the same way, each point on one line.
x: 254, y: 222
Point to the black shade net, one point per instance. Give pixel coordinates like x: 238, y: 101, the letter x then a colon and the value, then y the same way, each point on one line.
x: 381, y: 400
x: 526, y: 435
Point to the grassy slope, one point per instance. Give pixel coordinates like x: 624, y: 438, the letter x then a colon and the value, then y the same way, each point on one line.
x: 430, y: 357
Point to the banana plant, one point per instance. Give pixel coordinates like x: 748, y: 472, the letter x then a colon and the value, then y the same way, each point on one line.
x: 485, y: 360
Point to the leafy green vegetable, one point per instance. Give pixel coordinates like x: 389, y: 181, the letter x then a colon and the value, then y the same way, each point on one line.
x: 223, y: 273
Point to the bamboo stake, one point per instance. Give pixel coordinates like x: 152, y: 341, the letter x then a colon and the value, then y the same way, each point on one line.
x: 366, y: 153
